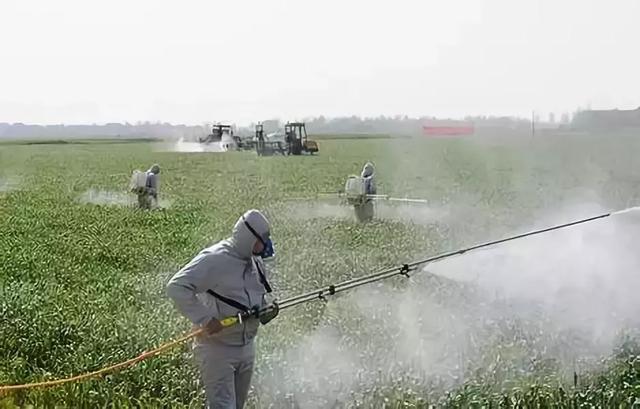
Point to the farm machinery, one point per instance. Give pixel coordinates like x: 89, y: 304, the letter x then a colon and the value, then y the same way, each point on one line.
x: 244, y: 143
x: 268, y: 145
x: 223, y: 135
x: 297, y: 139
x: 218, y: 131
x: 294, y: 141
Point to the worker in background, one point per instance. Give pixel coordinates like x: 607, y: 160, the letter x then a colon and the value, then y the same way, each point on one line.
x: 289, y: 141
x: 148, y: 197
x: 260, y: 134
x: 224, y: 280
x: 364, y: 211
x: 368, y: 174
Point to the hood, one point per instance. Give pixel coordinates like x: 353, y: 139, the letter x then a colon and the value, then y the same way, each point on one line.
x: 155, y: 169
x: 242, y: 239
x: 367, y: 170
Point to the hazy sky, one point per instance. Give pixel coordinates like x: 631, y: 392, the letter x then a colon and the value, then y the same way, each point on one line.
x: 190, y: 61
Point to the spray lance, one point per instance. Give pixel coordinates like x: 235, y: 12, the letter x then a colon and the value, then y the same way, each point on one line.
x: 404, y: 270
x: 363, y: 197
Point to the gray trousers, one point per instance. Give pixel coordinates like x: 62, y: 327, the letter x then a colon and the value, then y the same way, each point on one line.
x: 146, y: 201
x: 364, y: 212
x: 226, y: 373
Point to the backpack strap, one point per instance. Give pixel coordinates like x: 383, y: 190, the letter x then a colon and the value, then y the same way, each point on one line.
x: 229, y: 301
x: 236, y: 304
x: 263, y: 278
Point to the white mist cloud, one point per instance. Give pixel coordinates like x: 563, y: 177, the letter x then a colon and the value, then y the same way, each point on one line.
x: 8, y: 184
x: 558, y: 300
x: 108, y: 198
x: 584, y: 277
x: 181, y: 145
x: 102, y: 197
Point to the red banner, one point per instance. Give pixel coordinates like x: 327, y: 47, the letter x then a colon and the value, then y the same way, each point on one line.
x: 447, y: 130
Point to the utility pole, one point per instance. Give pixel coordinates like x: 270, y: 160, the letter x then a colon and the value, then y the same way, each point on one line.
x: 533, y: 123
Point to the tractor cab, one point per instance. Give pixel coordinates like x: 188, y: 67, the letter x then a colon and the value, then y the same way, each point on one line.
x: 297, y: 139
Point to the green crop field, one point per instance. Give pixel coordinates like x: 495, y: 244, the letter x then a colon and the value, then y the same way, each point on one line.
x: 82, y: 272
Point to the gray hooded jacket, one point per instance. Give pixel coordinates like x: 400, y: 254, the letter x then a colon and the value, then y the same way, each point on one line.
x: 368, y: 175
x: 152, y: 180
x: 230, y: 269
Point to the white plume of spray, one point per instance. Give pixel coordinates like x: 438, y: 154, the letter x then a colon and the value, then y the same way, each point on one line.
x: 555, y: 302
x: 9, y: 184
x: 108, y: 198
x: 583, y: 278
x: 402, y: 212
x: 181, y: 145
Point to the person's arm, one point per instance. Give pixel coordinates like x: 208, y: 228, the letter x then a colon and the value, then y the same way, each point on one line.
x: 186, y: 283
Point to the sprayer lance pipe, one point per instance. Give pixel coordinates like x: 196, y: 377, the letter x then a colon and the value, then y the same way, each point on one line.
x: 384, y: 274
x: 399, y: 199
x: 321, y: 293
x: 327, y: 289
x: 338, y: 289
x: 519, y: 236
x: 379, y: 197
x: 396, y: 199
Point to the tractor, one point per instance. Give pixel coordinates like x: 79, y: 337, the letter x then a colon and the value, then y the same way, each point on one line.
x: 216, y: 134
x: 297, y: 141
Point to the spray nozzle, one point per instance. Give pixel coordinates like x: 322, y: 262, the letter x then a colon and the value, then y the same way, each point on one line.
x: 405, y: 270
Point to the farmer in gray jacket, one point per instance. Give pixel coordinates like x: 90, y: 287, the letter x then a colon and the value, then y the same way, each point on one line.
x: 149, y: 196
x: 224, y: 280
x: 364, y: 211
x: 369, y: 180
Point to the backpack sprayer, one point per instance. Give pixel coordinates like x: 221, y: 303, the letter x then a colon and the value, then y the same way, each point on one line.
x: 138, y: 182
x: 355, y: 193
x: 318, y: 294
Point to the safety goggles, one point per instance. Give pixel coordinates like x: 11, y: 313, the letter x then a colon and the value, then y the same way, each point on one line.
x: 267, y: 244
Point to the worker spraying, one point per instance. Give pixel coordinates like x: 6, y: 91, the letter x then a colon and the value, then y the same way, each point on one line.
x: 225, y: 280
x: 146, y: 185
x: 358, y: 191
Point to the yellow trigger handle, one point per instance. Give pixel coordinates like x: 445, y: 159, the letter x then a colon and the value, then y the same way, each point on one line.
x: 229, y: 321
